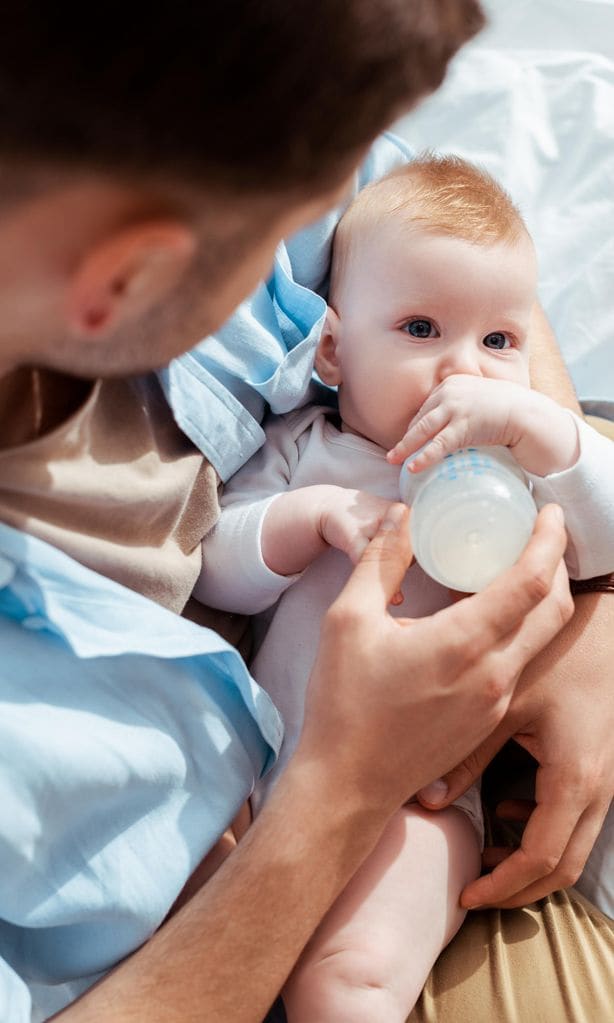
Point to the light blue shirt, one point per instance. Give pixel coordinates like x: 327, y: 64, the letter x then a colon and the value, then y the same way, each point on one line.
x: 130, y: 737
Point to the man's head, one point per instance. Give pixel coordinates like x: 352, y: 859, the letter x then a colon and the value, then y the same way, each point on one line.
x: 434, y: 273
x: 254, y: 94
x: 216, y: 127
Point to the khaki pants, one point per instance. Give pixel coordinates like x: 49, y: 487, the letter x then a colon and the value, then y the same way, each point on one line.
x: 548, y: 963
x: 551, y: 962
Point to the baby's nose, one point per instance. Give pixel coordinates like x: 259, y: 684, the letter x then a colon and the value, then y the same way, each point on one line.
x: 459, y: 359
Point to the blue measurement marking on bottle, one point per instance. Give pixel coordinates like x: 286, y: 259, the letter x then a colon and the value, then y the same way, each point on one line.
x: 447, y: 469
x: 465, y: 462
x: 477, y: 463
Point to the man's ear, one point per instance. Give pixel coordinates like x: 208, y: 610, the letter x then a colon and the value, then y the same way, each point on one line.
x: 327, y: 362
x: 127, y: 273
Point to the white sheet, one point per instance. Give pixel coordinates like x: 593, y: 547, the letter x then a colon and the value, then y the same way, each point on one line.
x: 532, y: 99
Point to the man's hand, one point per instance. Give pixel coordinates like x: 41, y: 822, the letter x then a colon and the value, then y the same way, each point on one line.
x: 392, y: 700
x: 467, y: 410
x: 563, y: 713
x: 390, y: 704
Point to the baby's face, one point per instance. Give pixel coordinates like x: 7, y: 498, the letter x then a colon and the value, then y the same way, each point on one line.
x: 415, y: 308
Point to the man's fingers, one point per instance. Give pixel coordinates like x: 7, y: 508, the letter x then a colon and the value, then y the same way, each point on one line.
x: 567, y: 870
x: 444, y: 791
x: 517, y: 810
x: 378, y: 575
x: 544, y: 844
x: 493, y: 855
x: 489, y: 616
x: 528, y: 864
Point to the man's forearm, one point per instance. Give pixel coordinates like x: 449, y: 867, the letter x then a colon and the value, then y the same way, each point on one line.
x: 547, y: 368
x: 373, y: 735
x: 226, y: 954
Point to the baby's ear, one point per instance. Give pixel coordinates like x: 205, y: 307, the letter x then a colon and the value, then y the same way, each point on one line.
x: 327, y: 362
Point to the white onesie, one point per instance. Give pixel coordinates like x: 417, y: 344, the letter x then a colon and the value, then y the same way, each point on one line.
x: 304, y: 448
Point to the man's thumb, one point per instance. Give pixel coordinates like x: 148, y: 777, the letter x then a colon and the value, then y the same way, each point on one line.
x: 443, y: 791
x: 378, y: 575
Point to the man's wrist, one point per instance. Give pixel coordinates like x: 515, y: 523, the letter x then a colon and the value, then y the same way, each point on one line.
x: 350, y: 794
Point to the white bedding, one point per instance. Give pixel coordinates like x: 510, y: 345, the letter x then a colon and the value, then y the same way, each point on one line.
x: 532, y: 99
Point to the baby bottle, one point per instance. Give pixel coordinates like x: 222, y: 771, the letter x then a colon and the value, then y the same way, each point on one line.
x: 472, y: 515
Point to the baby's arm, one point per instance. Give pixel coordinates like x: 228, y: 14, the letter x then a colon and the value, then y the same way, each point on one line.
x: 585, y: 492
x: 467, y: 410
x: 372, y: 953
x: 269, y: 531
x: 299, y: 525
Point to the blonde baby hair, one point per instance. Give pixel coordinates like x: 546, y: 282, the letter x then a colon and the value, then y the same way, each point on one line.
x: 439, y: 193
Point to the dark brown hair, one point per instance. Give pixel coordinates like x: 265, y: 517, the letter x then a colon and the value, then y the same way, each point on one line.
x: 254, y: 94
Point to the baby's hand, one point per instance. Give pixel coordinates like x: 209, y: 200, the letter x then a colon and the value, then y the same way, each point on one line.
x: 349, y: 519
x: 467, y: 410
x: 300, y: 524
x: 461, y: 411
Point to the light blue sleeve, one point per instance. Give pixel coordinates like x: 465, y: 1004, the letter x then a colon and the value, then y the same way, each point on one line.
x: 264, y: 353
x: 15, y: 1001
x: 129, y: 738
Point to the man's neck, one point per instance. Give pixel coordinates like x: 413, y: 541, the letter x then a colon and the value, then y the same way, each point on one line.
x: 34, y: 401
x: 18, y: 412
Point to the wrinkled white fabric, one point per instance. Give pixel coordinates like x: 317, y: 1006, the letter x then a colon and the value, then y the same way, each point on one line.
x: 532, y: 100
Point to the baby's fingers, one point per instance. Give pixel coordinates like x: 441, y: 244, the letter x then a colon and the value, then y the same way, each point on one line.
x: 358, y: 539
x: 422, y: 429
x: 442, y: 444
x: 356, y: 547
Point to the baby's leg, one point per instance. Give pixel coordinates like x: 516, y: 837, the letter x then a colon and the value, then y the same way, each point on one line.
x: 370, y: 957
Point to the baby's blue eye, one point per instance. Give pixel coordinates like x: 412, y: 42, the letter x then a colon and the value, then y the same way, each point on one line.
x: 497, y: 340
x: 420, y: 328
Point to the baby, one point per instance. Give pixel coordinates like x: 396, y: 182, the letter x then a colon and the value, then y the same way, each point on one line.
x: 433, y: 282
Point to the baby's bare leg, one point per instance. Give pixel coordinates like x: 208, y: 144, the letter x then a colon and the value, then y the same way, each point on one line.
x: 370, y: 957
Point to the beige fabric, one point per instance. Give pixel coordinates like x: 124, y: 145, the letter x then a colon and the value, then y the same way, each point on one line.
x: 552, y: 962
x: 102, y: 471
